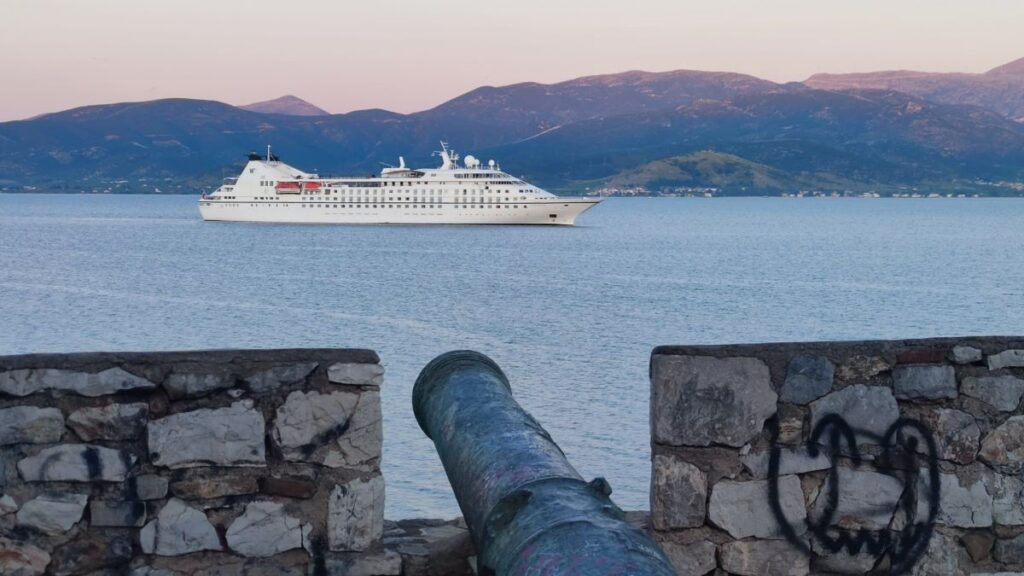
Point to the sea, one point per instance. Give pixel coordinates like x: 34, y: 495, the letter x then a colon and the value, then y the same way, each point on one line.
x: 570, y: 314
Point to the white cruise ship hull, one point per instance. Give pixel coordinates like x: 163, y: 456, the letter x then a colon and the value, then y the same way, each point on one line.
x: 558, y: 211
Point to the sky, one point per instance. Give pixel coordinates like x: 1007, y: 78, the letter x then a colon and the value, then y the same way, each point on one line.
x: 411, y: 55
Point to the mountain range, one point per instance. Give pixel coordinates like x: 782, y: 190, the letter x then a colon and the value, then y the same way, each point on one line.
x: 885, y: 131
x: 1001, y: 89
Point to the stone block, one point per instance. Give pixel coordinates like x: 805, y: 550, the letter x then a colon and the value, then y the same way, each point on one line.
x: 110, y: 422
x: 340, y: 429
x: 978, y: 544
x: 278, y: 376
x: 857, y: 369
x: 956, y: 435
x: 921, y: 356
x: 764, y: 558
x: 384, y: 563
x: 22, y: 559
x: 679, y: 494
x: 1007, y: 499
x: 797, y: 460
x: 208, y: 437
x: 924, y: 382
x: 127, y: 514
x: 695, y: 558
x: 355, y: 374
x: 264, y: 529
x: 433, y: 548
x: 148, y: 487
x: 7, y: 505
x: 355, y: 514
x: 111, y: 381
x: 942, y: 557
x: 76, y: 463
x: 1010, y: 551
x: 288, y: 487
x: 1001, y: 392
x: 807, y: 379
x: 700, y: 400
x: 965, y: 354
x: 215, y: 486
x: 30, y: 425
x: 743, y: 510
x: 866, y: 500
x: 1004, y: 446
x: 1006, y: 359
x: 960, y: 506
x: 52, y: 513
x: 178, y: 530
x: 869, y: 410
x: 93, y: 554
x: 195, y: 384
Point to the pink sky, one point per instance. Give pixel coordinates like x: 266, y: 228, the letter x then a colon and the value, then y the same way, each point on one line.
x: 411, y: 55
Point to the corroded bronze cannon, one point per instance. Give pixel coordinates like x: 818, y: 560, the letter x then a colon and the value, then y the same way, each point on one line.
x: 527, y: 508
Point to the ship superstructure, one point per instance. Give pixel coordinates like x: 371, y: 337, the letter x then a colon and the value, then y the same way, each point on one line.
x: 466, y: 192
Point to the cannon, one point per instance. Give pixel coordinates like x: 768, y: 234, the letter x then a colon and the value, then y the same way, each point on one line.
x: 528, y: 510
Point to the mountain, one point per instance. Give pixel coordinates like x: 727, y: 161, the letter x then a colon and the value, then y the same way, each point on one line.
x: 1015, y: 68
x: 194, y: 139
x: 731, y: 131
x: 832, y: 138
x: 289, y: 105
x: 530, y: 108
x: 1000, y: 89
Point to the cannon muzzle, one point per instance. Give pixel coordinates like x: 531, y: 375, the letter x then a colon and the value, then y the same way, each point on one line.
x: 528, y: 510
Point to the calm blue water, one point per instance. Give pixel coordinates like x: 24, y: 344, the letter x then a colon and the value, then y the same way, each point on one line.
x: 571, y: 314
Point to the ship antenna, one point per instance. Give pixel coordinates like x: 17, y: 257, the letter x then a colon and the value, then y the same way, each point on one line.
x: 446, y: 156
x: 268, y: 152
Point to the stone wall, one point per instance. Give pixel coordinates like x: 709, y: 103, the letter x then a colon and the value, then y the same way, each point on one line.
x: 255, y: 462
x: 850, y: 458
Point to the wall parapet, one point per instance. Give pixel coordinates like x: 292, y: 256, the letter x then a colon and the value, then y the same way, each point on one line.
x: 260, y: 461
x: 901, y: 457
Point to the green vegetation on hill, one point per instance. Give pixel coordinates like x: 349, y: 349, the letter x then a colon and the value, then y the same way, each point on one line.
x: 709, y: 169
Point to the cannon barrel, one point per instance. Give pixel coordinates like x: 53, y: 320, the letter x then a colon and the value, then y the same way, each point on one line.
x: 528, y: 510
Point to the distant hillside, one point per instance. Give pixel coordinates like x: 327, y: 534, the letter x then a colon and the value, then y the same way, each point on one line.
x: 530, y: 108
x: 869, y: 136
x: 1015, y: 68
x: 290, y: 105
x: 1000, y: 89
x: 728, y: 173
x: 566, y: 136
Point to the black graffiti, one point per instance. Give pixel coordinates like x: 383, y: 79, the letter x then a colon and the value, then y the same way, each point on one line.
x: 901, y: 446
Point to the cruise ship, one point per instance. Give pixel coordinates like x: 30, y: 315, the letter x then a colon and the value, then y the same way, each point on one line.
x: 268, y: 190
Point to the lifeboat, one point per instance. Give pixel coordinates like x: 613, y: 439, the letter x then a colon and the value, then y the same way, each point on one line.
x: 288, y: 187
